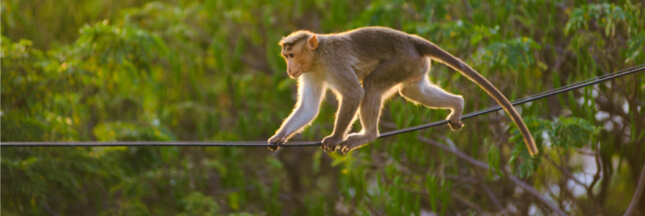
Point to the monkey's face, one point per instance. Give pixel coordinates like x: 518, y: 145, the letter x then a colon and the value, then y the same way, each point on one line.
x: 299, y: 56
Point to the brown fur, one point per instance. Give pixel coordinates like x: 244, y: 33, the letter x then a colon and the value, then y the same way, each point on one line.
x: 364, y: 67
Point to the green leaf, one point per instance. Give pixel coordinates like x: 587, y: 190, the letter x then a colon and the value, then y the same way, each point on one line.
x: 568, y: 132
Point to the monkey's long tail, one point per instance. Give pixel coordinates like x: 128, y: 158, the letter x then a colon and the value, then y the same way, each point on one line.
x: 431, y: 50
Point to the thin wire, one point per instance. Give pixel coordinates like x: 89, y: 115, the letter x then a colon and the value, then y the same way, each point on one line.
x: 156, y: 143
x: 532, y: 97
x: 538, y: 96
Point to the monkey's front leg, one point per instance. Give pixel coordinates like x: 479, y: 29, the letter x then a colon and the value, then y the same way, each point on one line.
x: 349, y: 102
x: 310, y: 93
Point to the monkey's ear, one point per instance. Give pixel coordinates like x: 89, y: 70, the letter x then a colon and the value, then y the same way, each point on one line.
x: 312, y: 42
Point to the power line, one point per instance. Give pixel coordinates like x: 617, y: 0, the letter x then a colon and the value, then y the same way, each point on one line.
x: 538, y: 96
x: 157, y: 143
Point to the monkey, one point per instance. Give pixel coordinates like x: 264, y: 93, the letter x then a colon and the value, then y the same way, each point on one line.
x: 363, y: 68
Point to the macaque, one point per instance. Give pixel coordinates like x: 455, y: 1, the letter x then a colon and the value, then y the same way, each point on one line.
x: 364, y: 67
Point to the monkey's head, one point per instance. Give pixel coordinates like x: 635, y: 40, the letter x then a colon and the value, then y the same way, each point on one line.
x: 298, y: 50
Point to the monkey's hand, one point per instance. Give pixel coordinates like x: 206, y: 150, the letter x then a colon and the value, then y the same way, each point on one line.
x: 276, y: 140
x: 330, y: 143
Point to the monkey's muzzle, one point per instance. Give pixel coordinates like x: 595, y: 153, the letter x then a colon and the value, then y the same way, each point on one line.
x: 295, y: 74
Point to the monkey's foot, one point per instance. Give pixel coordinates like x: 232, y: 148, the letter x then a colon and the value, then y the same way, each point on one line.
x: 455, y: 126
x: 354, y: 141
x: 330, y: 143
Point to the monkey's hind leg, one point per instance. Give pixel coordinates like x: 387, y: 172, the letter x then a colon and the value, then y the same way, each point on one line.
x: 378, y: 86
x: 369, y: 113
x: 432, y: 96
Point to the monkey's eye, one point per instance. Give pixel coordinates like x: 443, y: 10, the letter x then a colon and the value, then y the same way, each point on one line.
x: 290, y: 55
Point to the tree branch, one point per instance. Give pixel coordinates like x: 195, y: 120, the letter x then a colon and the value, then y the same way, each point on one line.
x: 491, y: 195
x: 564, y: 171
x: 456, y: 152
x: 596, y: 177
x: 637, y: 194
x: 533, y: 192
x: 466, y: 202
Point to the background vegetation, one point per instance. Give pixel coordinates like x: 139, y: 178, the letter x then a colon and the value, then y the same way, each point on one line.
x: 210, y: 70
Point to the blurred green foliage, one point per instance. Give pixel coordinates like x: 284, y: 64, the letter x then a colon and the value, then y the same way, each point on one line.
x: 211, y: 70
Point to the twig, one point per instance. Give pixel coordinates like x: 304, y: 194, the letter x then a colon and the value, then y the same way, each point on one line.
x: 491, y: 195
x: 533, y: 192
x: 461, y: 178
x: 466, y: 202
x: 637, y: 194
x: 49, y: 209
x: 596, y: 176
x: 564, y: 171
x: 456, y: 152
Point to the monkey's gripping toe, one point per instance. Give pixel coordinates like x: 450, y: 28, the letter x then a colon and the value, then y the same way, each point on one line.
x: 330, y: 143
x: 348, y: 147
x: 344, y: 149
x: 273, y: 146
x: 455, y: 126
x: 328, y: 148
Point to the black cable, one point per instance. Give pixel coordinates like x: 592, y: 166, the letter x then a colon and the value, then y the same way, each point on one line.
x: 538, y: 96
x: 573, y: 85
x: 156, y: 143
